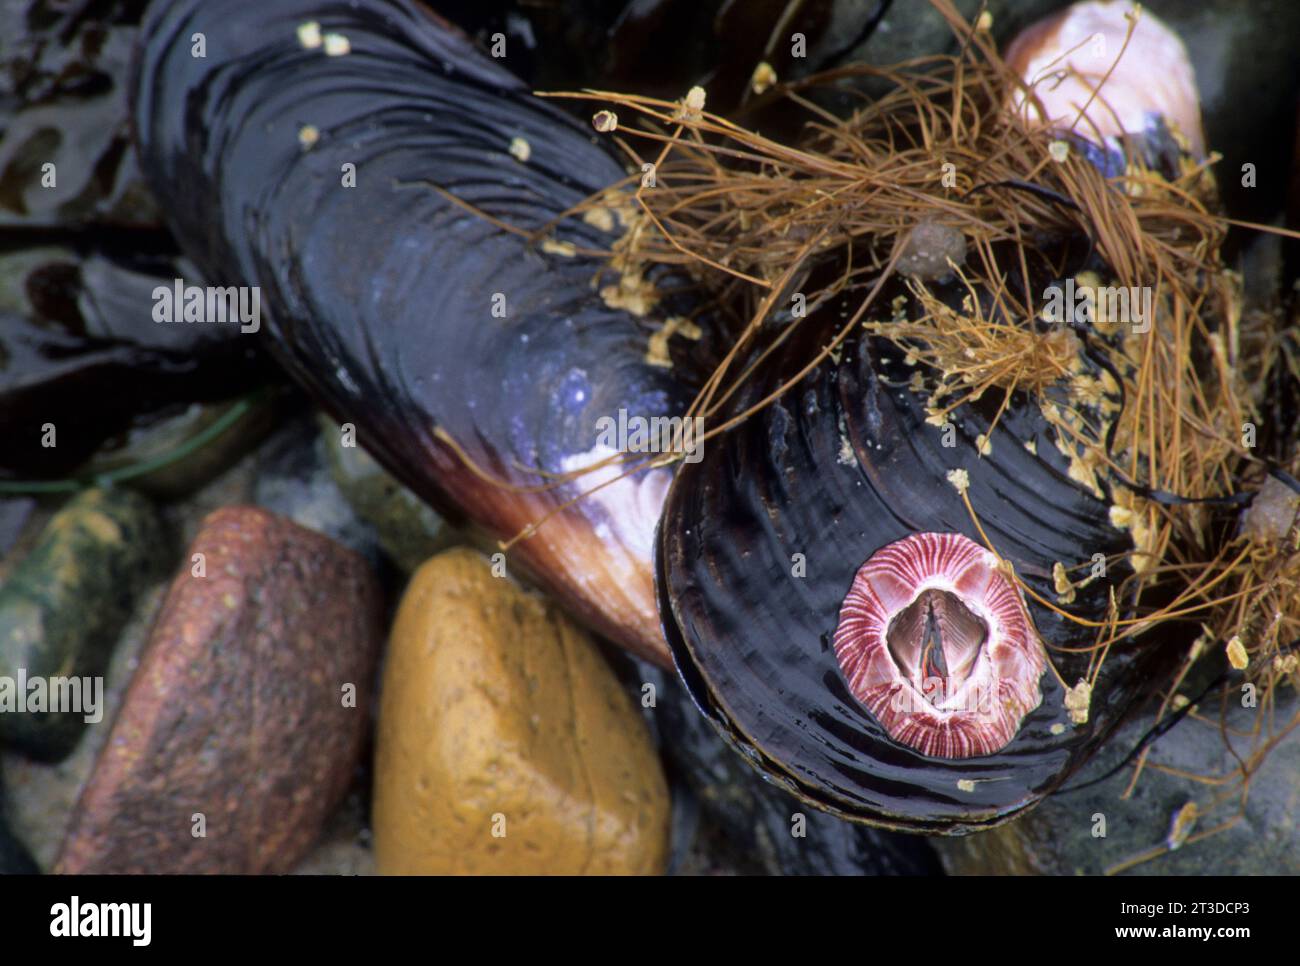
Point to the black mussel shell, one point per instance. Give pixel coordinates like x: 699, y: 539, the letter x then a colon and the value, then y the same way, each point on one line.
x: 759, y: 545
x: 381, y: 295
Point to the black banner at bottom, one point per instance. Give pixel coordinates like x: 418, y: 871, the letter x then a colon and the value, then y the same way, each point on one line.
x: 334, y: 915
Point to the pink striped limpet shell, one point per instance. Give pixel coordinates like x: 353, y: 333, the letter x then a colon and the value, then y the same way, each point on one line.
x: 935, y: 641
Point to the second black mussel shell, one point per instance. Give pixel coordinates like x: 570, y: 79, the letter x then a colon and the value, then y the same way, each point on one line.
x: 311, y: 153
x: 760, y: 543
x: 773, y: 549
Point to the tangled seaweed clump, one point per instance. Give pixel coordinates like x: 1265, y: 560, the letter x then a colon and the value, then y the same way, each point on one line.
x: 1012, y: 264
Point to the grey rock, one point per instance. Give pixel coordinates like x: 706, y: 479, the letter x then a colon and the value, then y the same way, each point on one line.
x: 14, y: 857
x: 409, y: 531
x: 21, y: 520
x: 1057, y: 838
x: 1248, y: 76
x: 293, y: 478
x: 344, y: 847
x: 64, y: 604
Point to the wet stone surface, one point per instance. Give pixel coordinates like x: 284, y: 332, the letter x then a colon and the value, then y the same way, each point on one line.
x: 240, y: 730
x: 505, y: 744
x: 62, y: 607
x: 1060, y: 836
x: 408, y: 530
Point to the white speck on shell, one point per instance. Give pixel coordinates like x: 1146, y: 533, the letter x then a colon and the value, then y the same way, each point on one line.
x: 309, y: 35
x: 336, y: 45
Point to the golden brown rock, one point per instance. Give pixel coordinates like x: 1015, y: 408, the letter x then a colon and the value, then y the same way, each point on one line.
x: 506, y: 745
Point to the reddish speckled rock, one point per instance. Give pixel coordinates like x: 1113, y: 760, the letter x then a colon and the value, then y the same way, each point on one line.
x: 238, y: 712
